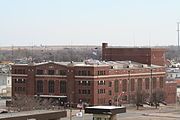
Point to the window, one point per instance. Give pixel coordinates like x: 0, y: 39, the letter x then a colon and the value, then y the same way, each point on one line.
x: 101, y: 82
x: 23, y: 89
x: 110, y: 84
x: 21, y: 71
x: 139, y: 83
x: 147, y: 83
x: 79, y: 73
x: 101, y: 91
x: 110, y: 92
x: 62, y: 86
x: 50, y: 72
x: 15, y: 80
x: 88, y: 73
x: 83, y: 73
x: 20, y: 89
x: 89, y: 92
x: 62, y: 72
x: 124, y: 85
x: 23, y: 80
x: 79, y: 91
x: 84, y: 83
x: 39, y: 72
x: 132, y: 84
x: 154, y: 82
x: 161, y: 82
x: 39, y: 86
x: 20, y: 80
x: 15, y: 88
x: 51, y: 86
x: 116, y: 86
x: 15, y: 71
x: 84, y: 91
x: 101, y: 72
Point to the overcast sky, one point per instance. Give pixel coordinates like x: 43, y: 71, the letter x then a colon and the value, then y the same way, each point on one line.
x: 89, y: 22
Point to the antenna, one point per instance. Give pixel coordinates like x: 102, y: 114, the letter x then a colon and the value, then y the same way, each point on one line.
x: 71, y: 50
x: 149, y: 40
x: 134, y: 40
x: 32, y: 50
x: 12, y: 53
x: 178, y: 32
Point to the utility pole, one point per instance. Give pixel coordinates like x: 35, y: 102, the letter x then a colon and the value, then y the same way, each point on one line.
x: 178, y: 32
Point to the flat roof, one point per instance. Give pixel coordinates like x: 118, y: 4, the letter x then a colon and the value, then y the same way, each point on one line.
x: 26, y: 113
x: 105, y: 110
x: 97, y: 63
x: 106, y: 107
x: 51, y: 96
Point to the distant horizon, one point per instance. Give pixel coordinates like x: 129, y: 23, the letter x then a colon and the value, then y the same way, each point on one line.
x: 76, y: 45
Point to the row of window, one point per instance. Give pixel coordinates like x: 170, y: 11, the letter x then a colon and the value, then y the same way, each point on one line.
x: 101, y: 72
x: 50, y: 72
x: 101, y: 91
x: 19, y: 71
x: 20, y: 89
x: 19, y: 80
x: 84, y: 83
x: 139, y: 84
x: 101, y: 82
x: 51, y: 86
x: 84, y: 91
x: 83, y: 73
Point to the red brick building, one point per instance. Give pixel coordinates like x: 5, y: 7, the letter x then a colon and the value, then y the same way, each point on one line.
x: 171, y: 91
x: 148, y: 56
x: 93, y: 82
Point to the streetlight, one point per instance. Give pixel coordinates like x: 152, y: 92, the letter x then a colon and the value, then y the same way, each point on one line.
x: 129, y: 86
x: 151, y: 86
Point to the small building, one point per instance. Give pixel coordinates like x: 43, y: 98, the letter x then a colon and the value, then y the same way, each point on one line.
x: 5, y: 80
x: 171, y: 91
x: 173, y: 73
x: 105, y: 112
x: 143, y: 55
x: 34, y: 115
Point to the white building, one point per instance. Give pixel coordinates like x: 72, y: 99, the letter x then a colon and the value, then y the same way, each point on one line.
x: 173, y: 73
x: 5, y: 80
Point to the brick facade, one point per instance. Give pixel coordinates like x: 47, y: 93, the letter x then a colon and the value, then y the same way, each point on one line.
x: 95, y: 84
x: 170, y: 90
x: 148, y: 56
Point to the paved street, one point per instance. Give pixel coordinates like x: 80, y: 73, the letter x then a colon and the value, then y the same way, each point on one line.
x: 162, y: 113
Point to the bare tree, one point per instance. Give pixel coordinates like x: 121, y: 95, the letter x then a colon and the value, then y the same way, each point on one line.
x: 24, y: 103
x: 158, y: 96
x: 139, y: 98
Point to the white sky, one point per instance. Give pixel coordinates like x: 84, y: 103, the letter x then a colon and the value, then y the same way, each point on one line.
x: 89, y: 22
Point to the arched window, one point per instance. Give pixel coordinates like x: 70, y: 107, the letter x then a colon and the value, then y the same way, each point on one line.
x: 147, y: 83
x: 139, y: 84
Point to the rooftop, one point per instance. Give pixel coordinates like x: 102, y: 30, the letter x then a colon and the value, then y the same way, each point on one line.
x: 25, y: 113
x: 97, y: 63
